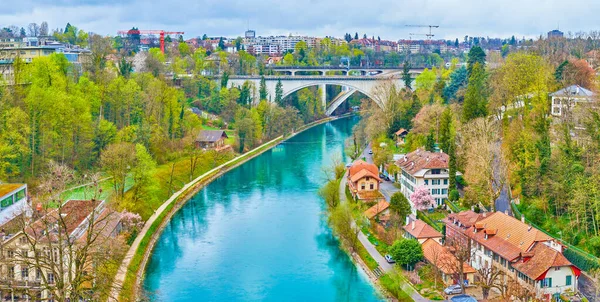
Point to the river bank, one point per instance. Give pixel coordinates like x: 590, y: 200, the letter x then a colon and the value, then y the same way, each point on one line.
x: 131, y: 272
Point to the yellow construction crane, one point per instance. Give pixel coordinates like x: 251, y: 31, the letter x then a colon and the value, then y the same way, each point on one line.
x: 429, y: 35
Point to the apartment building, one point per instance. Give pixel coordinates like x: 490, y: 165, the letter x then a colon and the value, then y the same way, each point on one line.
x: 526, y: 254
x: 568, y: 98
x: 426, y: 169
x: 13, y: 201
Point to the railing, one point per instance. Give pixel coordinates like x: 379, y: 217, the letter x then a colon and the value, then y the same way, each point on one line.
x: 577, y: 256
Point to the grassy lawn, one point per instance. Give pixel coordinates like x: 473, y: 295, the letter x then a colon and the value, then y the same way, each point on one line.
x: 428, y: 288
x: 393, y: 282
x: 86, y: 192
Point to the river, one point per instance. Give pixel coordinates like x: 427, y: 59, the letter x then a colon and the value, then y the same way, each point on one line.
x: 258, y: 233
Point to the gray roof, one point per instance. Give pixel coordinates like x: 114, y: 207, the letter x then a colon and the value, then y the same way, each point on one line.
x: 463, y: 298
x: 211, y: 136
x: 574, y: 91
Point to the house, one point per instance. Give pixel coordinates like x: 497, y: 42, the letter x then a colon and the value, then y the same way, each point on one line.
x: 421, y: 231
x: 211, y: 139
x: 13, y: 201
x: 567, y: 98
x: 400, y: 135
x: 440, y: 257
x: 273, y: 60
x: 526, y: 254
x: 380, y: 209
x: 427, y: 169
x: 363, y: 181
x: 91, y: 228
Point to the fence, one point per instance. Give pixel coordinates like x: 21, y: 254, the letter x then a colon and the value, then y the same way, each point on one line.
x: 577, y: 256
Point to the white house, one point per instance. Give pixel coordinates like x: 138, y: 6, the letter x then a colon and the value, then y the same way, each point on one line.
x: 569, y: 97
x: 13, y: 201
x: 428, y: 169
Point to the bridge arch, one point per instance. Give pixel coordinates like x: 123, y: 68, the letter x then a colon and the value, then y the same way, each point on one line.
x: 346, y: 84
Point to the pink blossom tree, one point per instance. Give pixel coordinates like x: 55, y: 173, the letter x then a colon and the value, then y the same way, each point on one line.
x: 421, y: 199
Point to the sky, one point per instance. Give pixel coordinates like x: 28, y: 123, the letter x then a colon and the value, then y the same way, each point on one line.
x: 384, y: 18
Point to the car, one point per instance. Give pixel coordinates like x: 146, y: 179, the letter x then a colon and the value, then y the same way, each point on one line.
x: 348, y: 165
x: 384, y: 177
x: 453, y: 289
x: 389, y: 259
x: 370, y: 151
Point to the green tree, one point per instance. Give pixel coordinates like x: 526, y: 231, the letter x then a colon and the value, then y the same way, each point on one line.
x: 475, y: 104
x: 406, y: 252
x: 476, y: 56
x: 142, y: 173
x: 263, y: 89
x: 279, y: 93
x: 446, y: 130
x: 430, y: 144
x: 224, y: 79
x: 400, y: 204
x: 116, y: 161
x: 451, y: 165
x: 330, y: 193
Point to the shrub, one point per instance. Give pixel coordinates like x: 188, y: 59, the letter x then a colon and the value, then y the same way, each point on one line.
x: 454, y: 195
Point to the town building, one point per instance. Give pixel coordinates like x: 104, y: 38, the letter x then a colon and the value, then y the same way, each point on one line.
x: 378, y: 211
x: 419, y: 230
x: 211, y: 139
x: 400, y: 136
x: 31, y: 265
x: 568, y: 98
x: 276, y: 44
x: 13, y: 201
x: 363, y: 181
x: 439, y: 256
x: 555, y: 34
x: 426, y: 169
x: 524, y: 253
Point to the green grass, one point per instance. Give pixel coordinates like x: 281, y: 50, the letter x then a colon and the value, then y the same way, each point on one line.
x: 392, y: 282
x: 428, y: 288
x: 86, y: 192
x: 366, y: 257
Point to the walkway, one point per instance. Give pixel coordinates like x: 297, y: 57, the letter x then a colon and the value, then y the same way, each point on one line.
x: 385, y: 266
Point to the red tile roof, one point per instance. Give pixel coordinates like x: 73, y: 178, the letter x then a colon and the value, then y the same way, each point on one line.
x: 466, y: 218
x: 440, y: 256
x: 421, y: 230
x: 420, y: 159
x: 544, y: 258
x: 360, y: 169
x: 376, y: 209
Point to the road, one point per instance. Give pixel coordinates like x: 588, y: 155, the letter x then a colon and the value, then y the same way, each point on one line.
x: 385, y: 266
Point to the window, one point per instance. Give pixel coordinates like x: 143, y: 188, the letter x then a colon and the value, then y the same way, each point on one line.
x: 435, y: 171
x: 50, y: 278
x: 6, y: 202
x: 38, y: 274
x: 20, y: 195
x: 547, y: 282
x: 371, y: 187
x: 444, y: 191
x: 568, y: 281
x: 362, y: 187
x: 24, y: 272
x: 23, y: 240
x: 11, y: 272
x: 426, y: 182
x: 10, y: 253
x: 446, y: 181
x: 435, y: 182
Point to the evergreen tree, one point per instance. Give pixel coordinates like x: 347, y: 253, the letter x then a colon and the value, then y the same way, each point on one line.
x: 445, y: 129
x: 451, y: 165
x: 224, y: 79
x: 406, y: 78
x: 23, y: 33
x: 430, y: 143
x: 476, y: 55
x: 475, y: 104
x: 263, y: 89
x: 456, y: 44
x: 356, y: 36
x: 279, y: 93
x: 221, y: 43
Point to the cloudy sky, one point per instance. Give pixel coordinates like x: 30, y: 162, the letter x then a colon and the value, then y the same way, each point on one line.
x: 385, y: 18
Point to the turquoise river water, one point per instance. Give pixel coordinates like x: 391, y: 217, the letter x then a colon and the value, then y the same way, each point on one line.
x: 258, y: 233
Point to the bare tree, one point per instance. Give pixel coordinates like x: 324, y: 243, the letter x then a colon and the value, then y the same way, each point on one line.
x: 489, y: 278
x: 462, y: 253
x: 44, y: 29
x: 33, y: 29
x: 65, y: 249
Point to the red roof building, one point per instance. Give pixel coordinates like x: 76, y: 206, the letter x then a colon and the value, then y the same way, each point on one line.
x: 363, y: 181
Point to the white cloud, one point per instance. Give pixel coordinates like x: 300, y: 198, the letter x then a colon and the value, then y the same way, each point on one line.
x: 385, y: 18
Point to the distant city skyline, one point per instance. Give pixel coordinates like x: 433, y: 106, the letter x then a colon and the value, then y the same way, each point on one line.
x: 384, y: 18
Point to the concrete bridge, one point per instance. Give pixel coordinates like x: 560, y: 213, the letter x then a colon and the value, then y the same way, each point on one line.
x: 350, y: 84
x: 324, y: 70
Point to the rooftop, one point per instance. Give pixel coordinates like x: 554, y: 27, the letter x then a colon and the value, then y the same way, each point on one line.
x: 6, y: 189
x: 360, y: 169
x: 544, y: 257
x: 440, y: 256
x: 211, y: 136
x: 376, y: 209
x: 420, y: 159
x: 574, y: 91
x: 420, y: 230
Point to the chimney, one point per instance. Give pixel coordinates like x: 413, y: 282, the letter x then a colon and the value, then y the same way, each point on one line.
x: 413, y: 225
x: 523, y: 218
x: 506, y: 212
x: 484, y: 214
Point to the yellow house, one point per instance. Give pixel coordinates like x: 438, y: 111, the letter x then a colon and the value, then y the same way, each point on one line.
x: 363, y: 181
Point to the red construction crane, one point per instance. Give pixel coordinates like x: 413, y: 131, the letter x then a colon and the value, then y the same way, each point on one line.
x: 161, y: 33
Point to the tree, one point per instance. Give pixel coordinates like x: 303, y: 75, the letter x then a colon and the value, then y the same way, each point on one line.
x: 356, y: 36
x: 330, y: 193
x: 422, y: 199
x: 400, y: 205
x: 458, y: 80
x: 224, y: 79
x: 278, y: 93
x: 452, y: 167
x: 34, y: 29
x: 462, y: 253
x: 44, y: 29
x: 22, y: 33
x: 489, y: 277
x: 446, y: 130
x: 406, y: 77
x: 116, y: 161
x: 221, y: 44
x: 142, y: 174
x: 430, y: 144
x: 476, y: 56
x: 406, y: 252
x: 341, y: 220
x: 475, y: 104
x: 263, y: 89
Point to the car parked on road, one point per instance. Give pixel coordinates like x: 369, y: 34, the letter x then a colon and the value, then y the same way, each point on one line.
x: 384, y: 177
x: 370, y: 151
x: 453, y: 290
x: 389, y: 259
x: 348, y: 165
